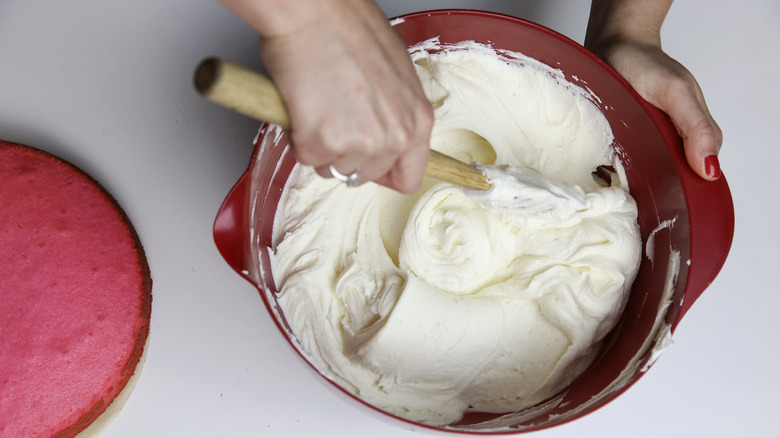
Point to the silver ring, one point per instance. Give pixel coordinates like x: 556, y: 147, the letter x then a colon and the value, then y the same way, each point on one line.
x: 351, y: 179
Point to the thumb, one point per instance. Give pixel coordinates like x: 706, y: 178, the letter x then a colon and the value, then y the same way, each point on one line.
x: 680, y: 97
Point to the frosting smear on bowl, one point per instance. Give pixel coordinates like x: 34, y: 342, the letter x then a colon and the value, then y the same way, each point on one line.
x: 433, y: 304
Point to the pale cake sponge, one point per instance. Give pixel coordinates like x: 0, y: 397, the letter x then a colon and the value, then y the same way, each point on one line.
x: 75, y: 296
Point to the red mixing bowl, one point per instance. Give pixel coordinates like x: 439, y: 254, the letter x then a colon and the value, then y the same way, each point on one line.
x: 686, y: 223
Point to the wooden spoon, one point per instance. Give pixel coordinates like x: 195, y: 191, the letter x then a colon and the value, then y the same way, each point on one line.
x: 256, y: 96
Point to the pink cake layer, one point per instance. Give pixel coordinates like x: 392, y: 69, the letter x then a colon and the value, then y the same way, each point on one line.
x: 75, y: 296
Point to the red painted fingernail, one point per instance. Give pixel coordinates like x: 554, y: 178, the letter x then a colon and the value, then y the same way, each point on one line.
x: 712, y: 166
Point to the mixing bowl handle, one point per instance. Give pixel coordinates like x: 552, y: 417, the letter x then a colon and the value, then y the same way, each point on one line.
x: 710, y: 216
x: 231, y: 227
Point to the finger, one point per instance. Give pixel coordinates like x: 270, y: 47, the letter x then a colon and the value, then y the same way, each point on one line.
x: 341, y: 168
x: 406, y: 175
x: 702, y: 137
x: 368, y: 168
x: 318, y: 147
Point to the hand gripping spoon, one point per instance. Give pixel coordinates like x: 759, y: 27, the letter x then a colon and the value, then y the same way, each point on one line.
x: 256, y: 96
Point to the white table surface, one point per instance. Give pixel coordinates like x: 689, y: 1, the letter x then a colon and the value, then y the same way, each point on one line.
x: 107, y: 86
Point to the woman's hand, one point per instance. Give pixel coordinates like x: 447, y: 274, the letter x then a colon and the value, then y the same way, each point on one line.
x: 353, y: 95
x: 626, y: 35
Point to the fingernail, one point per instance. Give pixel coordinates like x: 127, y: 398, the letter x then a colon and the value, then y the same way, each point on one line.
x: 712, y: 166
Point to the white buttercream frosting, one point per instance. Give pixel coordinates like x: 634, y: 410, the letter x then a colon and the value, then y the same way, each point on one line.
x: 432, y: 304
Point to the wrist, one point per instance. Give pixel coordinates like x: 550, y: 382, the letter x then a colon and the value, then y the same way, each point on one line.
x: 277, y: 17
x: 614, y: 22
x: 272, y: 18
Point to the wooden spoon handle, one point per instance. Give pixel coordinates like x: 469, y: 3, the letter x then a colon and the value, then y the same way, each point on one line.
x: 446, y: 168
x: 256, y: 96
x: 242, y: 90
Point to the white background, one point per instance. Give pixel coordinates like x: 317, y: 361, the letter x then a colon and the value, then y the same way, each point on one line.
x: 107, y: 86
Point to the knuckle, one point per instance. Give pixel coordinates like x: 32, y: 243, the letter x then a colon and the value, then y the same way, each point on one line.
x: 681, y: 83
x: 710, y: 135
x: 332, y: 140
x: 407, y: 185
x: 302, y: 148
x: 424, y: 118
x: 315, y: 148
x: 400, y: 138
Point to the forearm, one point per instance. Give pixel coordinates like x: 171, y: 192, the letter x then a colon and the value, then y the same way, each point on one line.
x: 637, y: 21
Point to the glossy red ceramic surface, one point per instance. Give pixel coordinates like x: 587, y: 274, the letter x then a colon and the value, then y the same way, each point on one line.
x: 679, y: 213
